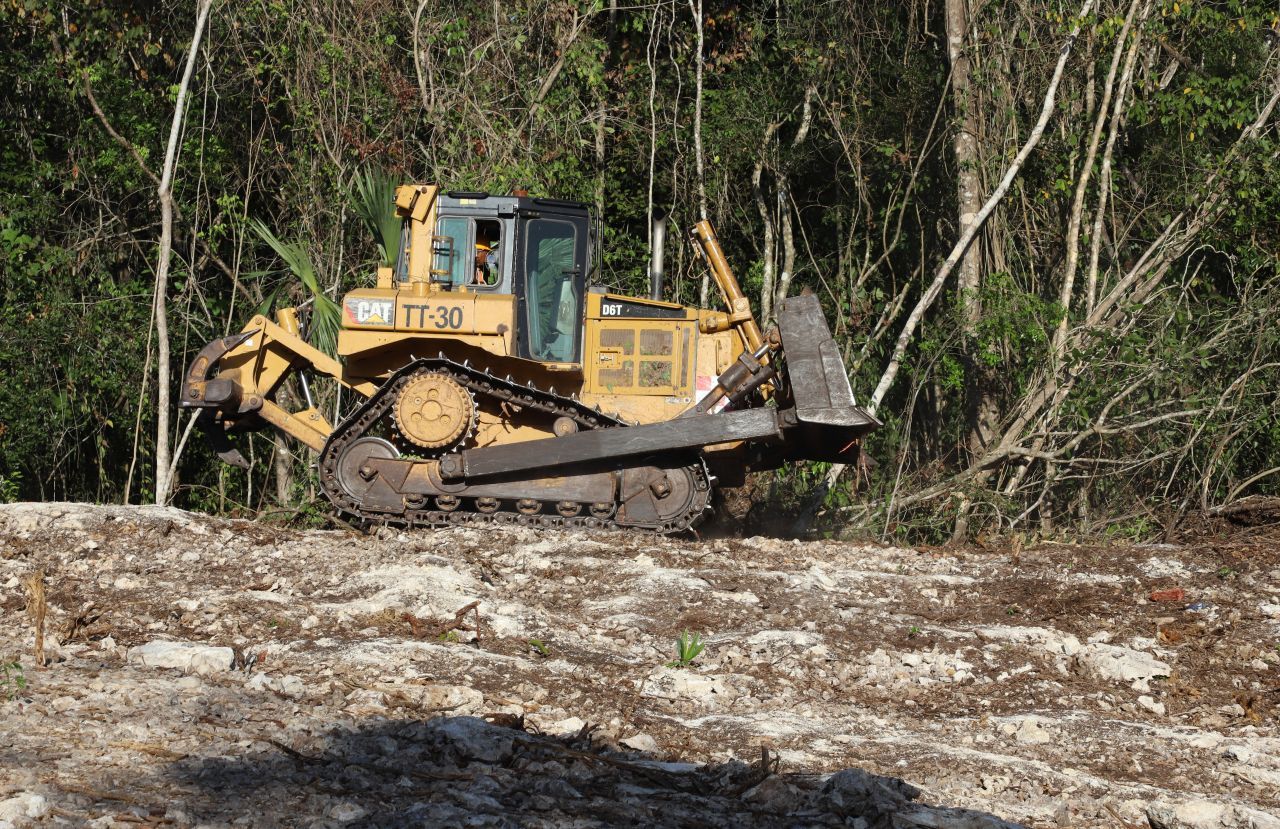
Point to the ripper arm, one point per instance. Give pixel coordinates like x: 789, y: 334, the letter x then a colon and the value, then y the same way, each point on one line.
x: 233, y: 380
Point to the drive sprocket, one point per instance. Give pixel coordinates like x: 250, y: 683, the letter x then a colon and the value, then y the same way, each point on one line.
x: 433, y: 411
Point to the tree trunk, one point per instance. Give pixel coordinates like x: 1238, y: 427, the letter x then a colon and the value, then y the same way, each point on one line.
x: 788, y: 242
x: 600, y: 158
x: 965, y: 148
x: 785, y: 204
x: 160, y: 308
x: 982, y: 412
x: 284, y: 471
x: 766, y: 218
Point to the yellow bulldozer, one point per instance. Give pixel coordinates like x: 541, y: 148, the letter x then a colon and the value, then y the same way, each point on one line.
x: 487, y: 379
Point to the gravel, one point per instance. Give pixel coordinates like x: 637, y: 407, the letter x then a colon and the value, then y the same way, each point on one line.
x: 212, y: 672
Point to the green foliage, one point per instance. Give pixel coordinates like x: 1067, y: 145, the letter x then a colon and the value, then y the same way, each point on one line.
x: 688, y: 647
x: 1014, y: 322
x: 326, y: 317
x: 374, y: 200
x: 10, y: 487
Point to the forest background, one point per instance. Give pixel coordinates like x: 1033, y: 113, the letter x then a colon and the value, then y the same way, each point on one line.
x: 1044, y: 234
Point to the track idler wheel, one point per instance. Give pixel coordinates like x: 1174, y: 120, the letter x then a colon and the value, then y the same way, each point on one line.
x: 355, y: 475
x: 667, y: 499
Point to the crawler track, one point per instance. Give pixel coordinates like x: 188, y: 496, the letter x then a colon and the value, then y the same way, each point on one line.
x: 464, y: 509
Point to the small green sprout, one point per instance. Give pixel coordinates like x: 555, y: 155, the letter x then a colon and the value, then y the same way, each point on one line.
x: 914, y: 631
x: 12, y: 679
x: 539, y: 647
x: 688, y: 646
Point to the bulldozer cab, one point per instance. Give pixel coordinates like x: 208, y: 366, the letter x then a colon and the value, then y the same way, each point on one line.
x: 537, y: 251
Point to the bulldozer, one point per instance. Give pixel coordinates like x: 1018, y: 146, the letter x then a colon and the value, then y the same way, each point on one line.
x: 487, y: 378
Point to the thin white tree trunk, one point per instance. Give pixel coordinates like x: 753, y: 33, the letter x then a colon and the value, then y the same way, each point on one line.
x: 1104, y: 188
x: 651, y: 61
x: 137, y: 420
x: 426, y: 89
x: 284, y: 471
x: 696, y: 10
x: 164, y: 477
x: 601, y: 114
x: 786, y: 205
x: 788, y: 241
x: 1099, y: 217
x: 766, y: 218
x: 1086, y: 168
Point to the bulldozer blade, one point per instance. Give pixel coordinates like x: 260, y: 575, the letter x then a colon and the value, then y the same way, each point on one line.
x: 832, y: 423
x: 819, y: 383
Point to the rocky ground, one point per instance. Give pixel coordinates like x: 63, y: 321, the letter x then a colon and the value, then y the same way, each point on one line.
x: 212, y: 672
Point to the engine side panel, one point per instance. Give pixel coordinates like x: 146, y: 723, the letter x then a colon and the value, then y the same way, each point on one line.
x: 642, y: 357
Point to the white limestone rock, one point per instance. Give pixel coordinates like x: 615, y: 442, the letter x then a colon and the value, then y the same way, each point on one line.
x: 190, y: 657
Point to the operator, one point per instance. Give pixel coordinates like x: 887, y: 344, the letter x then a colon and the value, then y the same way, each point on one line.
x: 486, y: 264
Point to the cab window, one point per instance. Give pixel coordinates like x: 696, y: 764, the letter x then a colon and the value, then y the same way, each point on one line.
x: 476, y: 248
x: 552, y: 290
x: 488, y: 254
x: 402, y: 260
x: 456, y: 260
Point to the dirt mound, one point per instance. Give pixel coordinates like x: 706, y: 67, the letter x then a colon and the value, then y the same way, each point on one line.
x: 205, y: 672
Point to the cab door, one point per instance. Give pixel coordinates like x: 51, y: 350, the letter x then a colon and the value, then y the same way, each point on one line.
x: 552, y: 257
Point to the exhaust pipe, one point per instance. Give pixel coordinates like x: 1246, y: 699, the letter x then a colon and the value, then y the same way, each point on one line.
x: 656, y: 271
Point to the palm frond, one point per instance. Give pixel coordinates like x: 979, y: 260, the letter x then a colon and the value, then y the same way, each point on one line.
x: 374, y: 199
x: 326, y: 317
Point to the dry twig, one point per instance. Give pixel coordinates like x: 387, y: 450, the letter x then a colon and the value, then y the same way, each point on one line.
x: 421, y: 631
x: 37, y: 609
